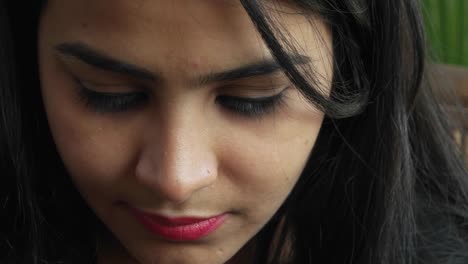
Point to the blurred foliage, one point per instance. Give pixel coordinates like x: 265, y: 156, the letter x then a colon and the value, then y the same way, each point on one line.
x: 447, y: 29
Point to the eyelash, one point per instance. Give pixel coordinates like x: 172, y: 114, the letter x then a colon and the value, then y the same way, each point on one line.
x: 251, y: 107
x: 110, y: 102
x: 120, y: 102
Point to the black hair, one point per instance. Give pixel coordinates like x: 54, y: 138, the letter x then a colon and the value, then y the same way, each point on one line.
x: 384, y: 183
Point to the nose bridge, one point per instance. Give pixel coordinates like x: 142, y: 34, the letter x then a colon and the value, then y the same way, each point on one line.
x: 178, y: 158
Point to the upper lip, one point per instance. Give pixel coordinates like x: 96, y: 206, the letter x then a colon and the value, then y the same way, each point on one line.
x: 176, y: 221
x: 173, y: 221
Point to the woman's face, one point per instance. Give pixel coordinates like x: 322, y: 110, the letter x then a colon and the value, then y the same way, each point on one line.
x: 174, y: 122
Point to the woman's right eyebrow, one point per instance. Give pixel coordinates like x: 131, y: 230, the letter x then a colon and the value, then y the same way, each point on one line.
x: 98, y: 59
x: 101, y: 60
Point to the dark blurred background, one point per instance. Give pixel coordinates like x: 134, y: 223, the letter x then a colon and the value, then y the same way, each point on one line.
x: 447, y: 30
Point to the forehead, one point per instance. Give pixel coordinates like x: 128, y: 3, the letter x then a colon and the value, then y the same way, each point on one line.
x: 206, y: 34
x: 147, y: 17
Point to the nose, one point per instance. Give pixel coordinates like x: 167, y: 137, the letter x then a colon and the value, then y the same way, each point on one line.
x: 177, y: 158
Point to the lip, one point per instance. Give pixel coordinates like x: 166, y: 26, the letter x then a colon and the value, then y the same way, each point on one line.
x: 178, y: 228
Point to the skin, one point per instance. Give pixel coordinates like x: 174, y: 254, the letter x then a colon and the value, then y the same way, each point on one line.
x: 181, y: 154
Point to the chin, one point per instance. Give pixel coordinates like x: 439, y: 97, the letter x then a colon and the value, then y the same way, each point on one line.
x: 184, y: 256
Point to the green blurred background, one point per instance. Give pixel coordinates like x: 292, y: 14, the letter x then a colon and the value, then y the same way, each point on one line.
x: 447, y: 29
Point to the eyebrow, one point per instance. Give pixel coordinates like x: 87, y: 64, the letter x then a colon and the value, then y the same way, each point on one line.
x: 97, y: 59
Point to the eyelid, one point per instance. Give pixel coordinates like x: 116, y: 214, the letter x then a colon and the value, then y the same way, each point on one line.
x: 101, y: 87
x: 255, y: 99
x: 253, y: 108
x: 109, y: 102
x: 254, y: 91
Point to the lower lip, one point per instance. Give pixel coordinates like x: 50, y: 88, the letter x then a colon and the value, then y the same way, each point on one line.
x: 180, y: 229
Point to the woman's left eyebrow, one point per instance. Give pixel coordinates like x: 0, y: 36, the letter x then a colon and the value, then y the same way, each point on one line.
x: 100, y: 60
x: 259, y: 68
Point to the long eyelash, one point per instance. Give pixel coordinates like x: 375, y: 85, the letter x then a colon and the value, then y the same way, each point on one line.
x: 109, y: 102
x: 119, y: 102
x: 251, y: 107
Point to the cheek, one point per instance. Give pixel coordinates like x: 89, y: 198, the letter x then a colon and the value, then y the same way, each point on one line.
x: 95, y: 153
x: 95, y: 150
x: 264, y: 168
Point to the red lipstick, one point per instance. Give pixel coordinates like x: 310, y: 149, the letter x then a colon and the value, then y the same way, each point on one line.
x: 179, y: 228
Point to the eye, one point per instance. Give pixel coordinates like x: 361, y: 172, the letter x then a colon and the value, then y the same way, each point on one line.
x: 109, y: 102
x: 115, y: 102
x: 251, y: 107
